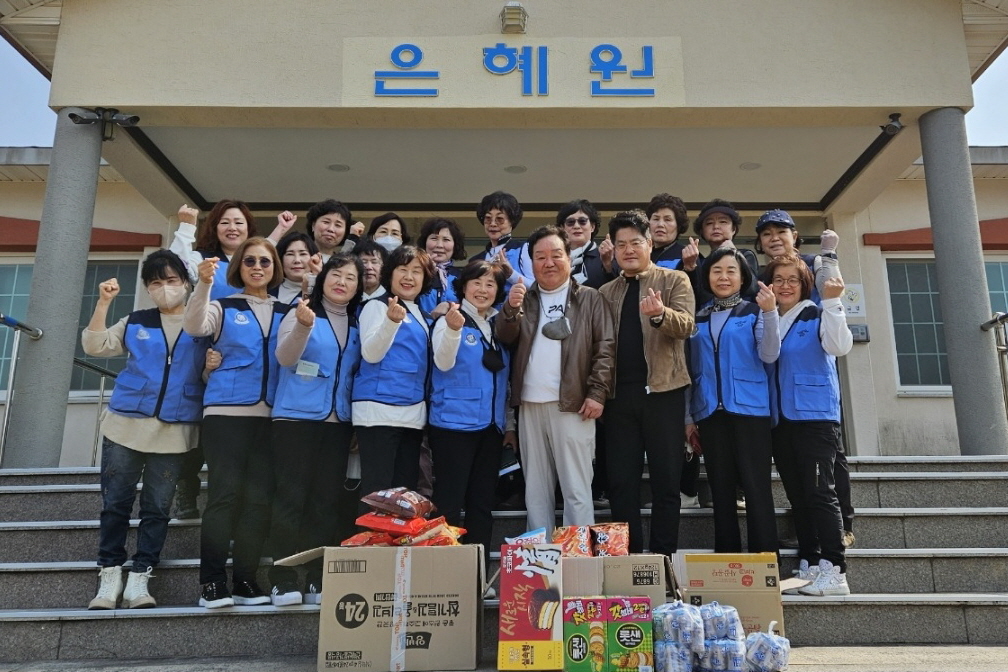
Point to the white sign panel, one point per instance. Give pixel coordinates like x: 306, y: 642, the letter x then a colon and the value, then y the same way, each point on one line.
x: 853, y: 301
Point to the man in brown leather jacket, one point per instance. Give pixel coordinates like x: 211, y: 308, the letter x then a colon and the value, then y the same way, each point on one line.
x: 652, y: 310
x: 561, y: 376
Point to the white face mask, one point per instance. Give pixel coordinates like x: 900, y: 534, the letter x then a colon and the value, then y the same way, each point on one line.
x: 390, y: 243
x: 167, y: 297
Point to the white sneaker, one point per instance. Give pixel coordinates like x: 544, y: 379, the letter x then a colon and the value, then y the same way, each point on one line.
x: 805, y: 573
x: 110, y: 588
x: 136, y: 596
x: 829, y: 582
x: 687, y: 502
x: 312, y: 593
x: 285, y: 595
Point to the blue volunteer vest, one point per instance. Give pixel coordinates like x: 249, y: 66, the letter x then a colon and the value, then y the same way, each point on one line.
x: 674, y: 264
x: 728, y: 374
x: 468, y: 397
x: 429, y: 300
x: 402, y: 375
x: 304, y: 397
x: 248, y: 370
x: 805, y: 384
x: 159, y: 381
x: 220, y: 288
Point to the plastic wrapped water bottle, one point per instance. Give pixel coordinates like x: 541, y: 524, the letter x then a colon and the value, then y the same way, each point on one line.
x: 721, y: 622
x: 680, y: 623
x: 767, y: 652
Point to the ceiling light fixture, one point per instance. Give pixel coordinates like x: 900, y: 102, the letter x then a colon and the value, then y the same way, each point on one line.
x: 338, y: 167
x: 750, y: 165
x: 515, y: 170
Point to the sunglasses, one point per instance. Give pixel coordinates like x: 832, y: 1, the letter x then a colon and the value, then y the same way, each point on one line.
x: 264, y: 262
x: 571, y: 221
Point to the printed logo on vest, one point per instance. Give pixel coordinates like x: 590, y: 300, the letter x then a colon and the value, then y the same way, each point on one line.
x: 407, y: 320
x: 143, y: 334
x: 241, y: 319
x: 470, y: 339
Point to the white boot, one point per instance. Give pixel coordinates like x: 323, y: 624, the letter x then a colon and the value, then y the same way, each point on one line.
x: 136, y: 596
x: 110, y: 587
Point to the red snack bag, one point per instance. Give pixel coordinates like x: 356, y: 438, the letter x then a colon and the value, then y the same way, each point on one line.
x: 383, y: 522
x: 431, y: 528
x: 610, y: 539
x: 575, y: 539
x: 399, y: 502
x: 439, y: 540
x: 368, y: 539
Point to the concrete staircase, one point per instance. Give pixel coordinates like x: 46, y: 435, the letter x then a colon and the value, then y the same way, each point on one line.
x: 930, y: 566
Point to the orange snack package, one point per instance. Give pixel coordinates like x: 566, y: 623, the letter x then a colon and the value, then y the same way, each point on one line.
x: 383, y: 522
x: 610, y: 539
x: 575, y: 539
x: 368, y: 539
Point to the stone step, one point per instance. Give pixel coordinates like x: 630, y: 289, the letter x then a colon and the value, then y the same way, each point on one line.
x: 981, y: 527
x: 192, y: 632
x: 79, y: 501
x: 71, y: 585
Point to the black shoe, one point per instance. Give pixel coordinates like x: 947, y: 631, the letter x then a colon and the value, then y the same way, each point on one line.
x: 215, y: 594
x: 248, y: 593
x: 285, y: 594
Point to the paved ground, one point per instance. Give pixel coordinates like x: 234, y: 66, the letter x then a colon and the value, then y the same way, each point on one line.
x: 805, y: 659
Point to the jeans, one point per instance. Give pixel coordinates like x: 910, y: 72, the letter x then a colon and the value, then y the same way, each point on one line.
x: 121, y: 470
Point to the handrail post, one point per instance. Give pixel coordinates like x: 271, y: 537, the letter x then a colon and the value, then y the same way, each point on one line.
x: 10, y: 391
x: 97, y: 427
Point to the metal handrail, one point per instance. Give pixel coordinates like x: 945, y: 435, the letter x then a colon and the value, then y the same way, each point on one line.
x: 1000, y: 324
x: 35, y: 334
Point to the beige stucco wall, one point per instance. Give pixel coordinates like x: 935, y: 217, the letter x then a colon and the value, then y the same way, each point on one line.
x: 234, y: 62
x: 884, y: 418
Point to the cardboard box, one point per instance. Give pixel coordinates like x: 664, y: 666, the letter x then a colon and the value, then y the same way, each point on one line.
x: 400, y: 608
x: 641, y: 574
x: 629, y: 641
x: 584, y: 628
x: 750, y: 582
x: 581, y: 576
x: 530, y: 636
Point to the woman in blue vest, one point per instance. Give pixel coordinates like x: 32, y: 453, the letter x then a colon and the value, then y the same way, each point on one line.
x: 730, y: 400
x: 151, y: 422
x: 468, y: 400
x: 318, y: 350
x: 805, y: 398
x: 228, y: 224
x: 390, y: 388
x: 300, y: 258
x: 444, y: 242
x: 236, y: 418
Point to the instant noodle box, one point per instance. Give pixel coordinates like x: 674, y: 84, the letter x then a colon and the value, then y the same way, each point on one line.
x: 399, y: 608
x: 531, y: 623
x: 584, y: 632
x: 629, y: 641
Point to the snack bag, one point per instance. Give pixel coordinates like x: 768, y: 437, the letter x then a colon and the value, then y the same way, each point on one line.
x: 537, y: 536
x: 383, y: 522
x: 399, y: 502
x: 369, y: 539
x: 610, y: 539
x: 575, y: 540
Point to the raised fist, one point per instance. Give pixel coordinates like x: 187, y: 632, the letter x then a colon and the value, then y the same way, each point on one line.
x: 188, y: 215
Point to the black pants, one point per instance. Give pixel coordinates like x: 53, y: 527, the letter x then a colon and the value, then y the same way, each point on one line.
x: 636, y: 424
x: 841, y: 475
x: 804, y: 453
x: 390, y: 457
x: 189, y: 480
x: 690, y: 473
x: 465, y: 475
x: 737, y: 452
x: 239, y: 495
x: 309, y: 465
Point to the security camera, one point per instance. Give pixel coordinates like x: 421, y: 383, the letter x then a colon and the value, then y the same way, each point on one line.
x: 85, y: 118
x: 894, y: 124
x: 123, y: 119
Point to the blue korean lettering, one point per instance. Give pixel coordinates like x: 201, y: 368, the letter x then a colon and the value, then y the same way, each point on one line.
x: 607, y: 61
x: 405, y: 57
x: 502, y: 60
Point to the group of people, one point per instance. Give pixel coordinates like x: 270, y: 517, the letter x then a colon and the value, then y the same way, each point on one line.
x: 296, y: 364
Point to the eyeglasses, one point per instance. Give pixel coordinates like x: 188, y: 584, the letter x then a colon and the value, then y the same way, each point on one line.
x: 580, y: 221
x: 637, y: 244
x: 264, y: 262
x: 786, y: 282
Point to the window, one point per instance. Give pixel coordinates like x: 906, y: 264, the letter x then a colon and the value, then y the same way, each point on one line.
x: 15, y: 286
x: 917, y: 320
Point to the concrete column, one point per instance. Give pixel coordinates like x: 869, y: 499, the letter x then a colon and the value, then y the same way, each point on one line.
x: 39, y: 400
x: 962, y: 284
